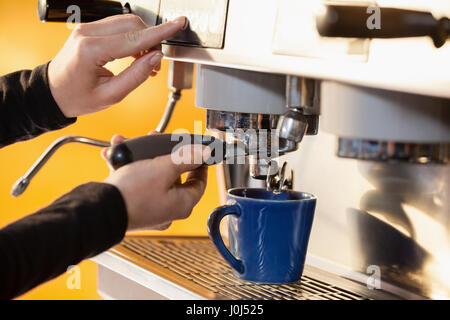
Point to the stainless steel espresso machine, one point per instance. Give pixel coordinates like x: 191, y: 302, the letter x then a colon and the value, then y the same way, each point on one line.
x: 359, y: 94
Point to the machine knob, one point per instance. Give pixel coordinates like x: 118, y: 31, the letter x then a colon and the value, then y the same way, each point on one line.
x: 351, y: 22
x: 90, y: 10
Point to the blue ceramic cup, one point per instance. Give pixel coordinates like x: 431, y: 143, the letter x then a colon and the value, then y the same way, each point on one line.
x: 268, y: 233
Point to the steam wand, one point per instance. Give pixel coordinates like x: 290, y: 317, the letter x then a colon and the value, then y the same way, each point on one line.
x: 21, y: 185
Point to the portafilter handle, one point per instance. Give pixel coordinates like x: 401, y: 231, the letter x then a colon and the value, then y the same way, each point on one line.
x: 348, y: 21
x: 152, y: 146
x: 89, y: 10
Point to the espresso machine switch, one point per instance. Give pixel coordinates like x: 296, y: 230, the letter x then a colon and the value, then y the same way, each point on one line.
x: 352, y: 22
x: 90, y: 10
x: 207, y: 19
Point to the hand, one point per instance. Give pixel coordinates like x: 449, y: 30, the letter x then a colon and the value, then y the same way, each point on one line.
x: 152, y: 189
x: 81, y: 84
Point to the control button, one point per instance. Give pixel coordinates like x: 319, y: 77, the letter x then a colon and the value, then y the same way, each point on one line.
x: 206, y: 18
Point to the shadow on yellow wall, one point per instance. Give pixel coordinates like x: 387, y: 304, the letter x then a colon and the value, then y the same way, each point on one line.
x: 27, y: 43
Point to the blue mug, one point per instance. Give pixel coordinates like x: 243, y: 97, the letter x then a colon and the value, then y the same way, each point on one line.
x: 268, y: 233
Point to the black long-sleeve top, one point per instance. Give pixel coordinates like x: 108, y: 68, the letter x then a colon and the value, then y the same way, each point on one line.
x: 81, y: 224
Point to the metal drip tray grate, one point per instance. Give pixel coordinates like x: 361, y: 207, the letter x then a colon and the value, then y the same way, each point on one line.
x: 195, y: 264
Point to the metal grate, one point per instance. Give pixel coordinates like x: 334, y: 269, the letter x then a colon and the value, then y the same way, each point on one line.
x: 197, y: 260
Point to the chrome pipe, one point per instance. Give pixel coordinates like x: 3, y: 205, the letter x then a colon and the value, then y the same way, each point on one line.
x: 21, y: 185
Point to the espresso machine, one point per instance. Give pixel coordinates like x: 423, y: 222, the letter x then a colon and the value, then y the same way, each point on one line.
x: 348, y: 100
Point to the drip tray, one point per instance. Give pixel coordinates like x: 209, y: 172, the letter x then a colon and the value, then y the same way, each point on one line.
x: 152, y: 267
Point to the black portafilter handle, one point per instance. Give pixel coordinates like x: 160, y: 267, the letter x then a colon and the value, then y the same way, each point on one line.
x: 152, y: 146
x: 351, y: 22
x: 90, y: 10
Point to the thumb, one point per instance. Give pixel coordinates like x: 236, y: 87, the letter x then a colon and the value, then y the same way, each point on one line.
x: 118, y: 87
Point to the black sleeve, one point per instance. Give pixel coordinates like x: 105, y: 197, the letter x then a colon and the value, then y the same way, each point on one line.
x: 27, y: 106
x: 81, y: 224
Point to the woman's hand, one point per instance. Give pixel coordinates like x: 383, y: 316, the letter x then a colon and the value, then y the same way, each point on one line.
x: 153, y: 191
x: 81, y: 84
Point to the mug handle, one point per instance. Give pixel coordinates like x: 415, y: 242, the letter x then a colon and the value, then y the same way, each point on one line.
x: 214, y: 233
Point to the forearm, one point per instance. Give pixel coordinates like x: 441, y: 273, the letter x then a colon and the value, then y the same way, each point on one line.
x: 81, y: 224
x: 27, y: 107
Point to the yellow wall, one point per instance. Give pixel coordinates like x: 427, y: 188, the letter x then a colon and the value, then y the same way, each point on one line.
x: 25, y: 43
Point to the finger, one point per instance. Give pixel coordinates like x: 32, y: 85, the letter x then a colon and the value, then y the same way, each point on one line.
x: 118, y: 87
x: 166, y: 226
x: 156, y: 69
x: 162, y: 227
x: 157, y: 47
x: 112, y: 25
x: 190, y: 193
x: 197, y: 180
x: 154, y: 132
x: 103, y: 153
x: 158, y: 66
x: 185, y: 159
x: 144, y: 52
x: 133, y: 42
x: 198, y: 175
x: 117, y: 138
